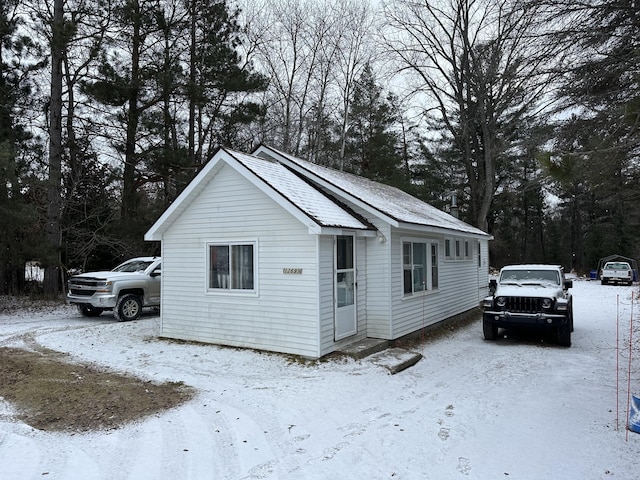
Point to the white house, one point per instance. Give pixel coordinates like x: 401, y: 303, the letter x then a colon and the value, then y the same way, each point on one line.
x: 272, y: 252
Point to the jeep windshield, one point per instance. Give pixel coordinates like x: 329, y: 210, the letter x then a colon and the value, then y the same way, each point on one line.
x: 133, y: 266
x: 529, y: 277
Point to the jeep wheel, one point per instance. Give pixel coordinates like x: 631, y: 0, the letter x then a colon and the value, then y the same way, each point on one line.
x: 564, y: 335
x: 89, y: 310
x: 489, y: 329
x: 129, y: 307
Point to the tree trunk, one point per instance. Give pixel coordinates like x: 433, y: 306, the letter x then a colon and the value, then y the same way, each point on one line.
x: 129, y: 197
x: 53, y: 231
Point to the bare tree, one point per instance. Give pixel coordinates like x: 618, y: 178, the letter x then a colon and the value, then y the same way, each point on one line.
x: 312, y: 53
x: 482, y: 69
x: 357, y: 49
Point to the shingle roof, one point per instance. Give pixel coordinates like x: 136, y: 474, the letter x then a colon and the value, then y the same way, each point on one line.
x: 387, y: 200
x: 317, y: 195
x: 315, y: 204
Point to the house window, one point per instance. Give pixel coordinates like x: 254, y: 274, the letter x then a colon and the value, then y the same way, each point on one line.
x: 458, y: 249
x: 479, y: 256
x: 434, y: 266
x: 419, y: 266
x: 231, y: 266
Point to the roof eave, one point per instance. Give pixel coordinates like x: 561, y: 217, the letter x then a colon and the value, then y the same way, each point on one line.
x: 444, y: 230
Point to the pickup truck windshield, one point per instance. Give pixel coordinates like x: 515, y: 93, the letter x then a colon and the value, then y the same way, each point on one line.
x: 135, y: 266
x: 530, y: 276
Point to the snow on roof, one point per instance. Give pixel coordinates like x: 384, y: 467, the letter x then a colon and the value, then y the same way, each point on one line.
x: 323, y: 210
x: 390, y: 201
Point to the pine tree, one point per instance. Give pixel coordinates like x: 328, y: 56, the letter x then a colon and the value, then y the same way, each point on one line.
x: 220, y: 80
x: 373, y: 146
x: 594, y: 161
x: 20, y: 233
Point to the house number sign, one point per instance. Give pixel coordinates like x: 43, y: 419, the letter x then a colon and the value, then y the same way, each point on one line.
x: 292, y: 271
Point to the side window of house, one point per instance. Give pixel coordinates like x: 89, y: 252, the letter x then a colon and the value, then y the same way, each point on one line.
x: 434, y: 266
x: 419, y: 266
x: 479, y: 256
x: 231, y: 267
x: 458, y: 249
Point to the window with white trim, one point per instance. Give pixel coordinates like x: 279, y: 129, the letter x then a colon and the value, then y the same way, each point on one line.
x: 458, y: 249
x: 434, y: 266
x: 231, y: 266
x: 419, y: 266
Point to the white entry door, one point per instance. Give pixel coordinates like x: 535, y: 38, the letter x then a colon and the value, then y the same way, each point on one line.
x: 345, y: 287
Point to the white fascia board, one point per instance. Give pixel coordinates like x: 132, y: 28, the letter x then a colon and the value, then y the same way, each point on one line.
x: 344, y: 231
x: 443, y: 231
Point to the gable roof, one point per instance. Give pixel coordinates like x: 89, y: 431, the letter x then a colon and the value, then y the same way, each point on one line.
x: 305, y: 202
x: 383, y: 201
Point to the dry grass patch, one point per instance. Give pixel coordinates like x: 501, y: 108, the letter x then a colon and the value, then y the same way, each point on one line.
x: 52, y: 394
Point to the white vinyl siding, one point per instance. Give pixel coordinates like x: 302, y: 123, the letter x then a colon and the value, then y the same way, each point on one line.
x: 283, y: 315
x: 374, y: 277
x: 460, y: 285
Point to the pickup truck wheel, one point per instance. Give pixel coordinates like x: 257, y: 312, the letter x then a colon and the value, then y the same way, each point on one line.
x: 89, y: 310
x: 489, y: 329
x: 129, y: 307
x: 564, y: 335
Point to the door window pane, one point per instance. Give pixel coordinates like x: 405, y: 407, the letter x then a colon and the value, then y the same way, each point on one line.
x: 345, y: 288
x: 344, y: 252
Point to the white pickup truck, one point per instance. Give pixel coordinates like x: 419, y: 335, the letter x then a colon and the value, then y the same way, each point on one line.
x: 126, y: 289
x: 616, y: 272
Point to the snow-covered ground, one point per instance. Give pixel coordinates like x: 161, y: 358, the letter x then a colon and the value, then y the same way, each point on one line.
x: 470, y: 409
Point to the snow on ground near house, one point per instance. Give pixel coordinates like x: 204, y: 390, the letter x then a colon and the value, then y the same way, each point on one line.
x: 470, y: 409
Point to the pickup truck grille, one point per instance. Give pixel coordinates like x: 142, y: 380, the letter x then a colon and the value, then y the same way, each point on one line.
x: 524, y: 304
x: 82, y: 293
x: 83, y: 287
